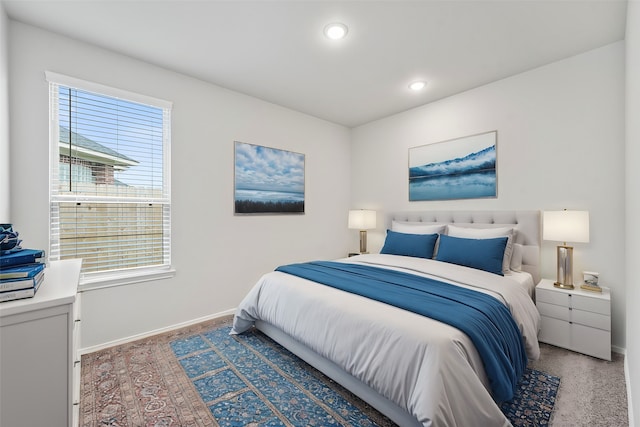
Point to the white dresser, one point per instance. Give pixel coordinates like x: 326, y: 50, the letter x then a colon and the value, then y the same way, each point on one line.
x: 37, y: 349
x: 575, y: 319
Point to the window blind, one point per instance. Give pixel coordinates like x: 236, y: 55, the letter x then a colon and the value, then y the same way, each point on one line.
x: 110, y: 175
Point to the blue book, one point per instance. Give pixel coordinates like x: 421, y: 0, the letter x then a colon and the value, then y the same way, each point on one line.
x: 27, y: 292
x: 23, y: 271
x: 25, y: 256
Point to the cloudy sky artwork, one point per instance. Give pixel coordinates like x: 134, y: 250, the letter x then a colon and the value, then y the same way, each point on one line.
x: 261, y: 168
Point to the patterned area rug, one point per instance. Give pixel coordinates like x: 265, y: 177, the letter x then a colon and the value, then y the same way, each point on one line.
x: 534, y: 400
x: 201, y: 376
x: 249, y: 380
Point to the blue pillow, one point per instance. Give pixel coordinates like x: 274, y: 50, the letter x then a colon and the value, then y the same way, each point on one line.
x: 415, y: 245
x: 483, y: 254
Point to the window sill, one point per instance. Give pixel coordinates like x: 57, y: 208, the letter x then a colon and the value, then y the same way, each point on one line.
x: 111, y: 280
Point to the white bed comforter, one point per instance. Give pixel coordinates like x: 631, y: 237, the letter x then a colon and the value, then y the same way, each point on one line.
x: 429, y: 368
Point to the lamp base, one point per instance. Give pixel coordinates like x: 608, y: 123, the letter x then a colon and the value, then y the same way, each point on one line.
x: 564, y: 285
x: 363, y: 242
x: 565, y: 268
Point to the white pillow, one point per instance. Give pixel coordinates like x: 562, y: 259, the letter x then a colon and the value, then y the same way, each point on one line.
x: 516, y: 257
x: 416, y: 227
x: 487, y: 233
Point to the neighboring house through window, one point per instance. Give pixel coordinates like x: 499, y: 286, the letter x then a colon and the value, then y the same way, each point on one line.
x: 86, y: 161
x: 110, y: 175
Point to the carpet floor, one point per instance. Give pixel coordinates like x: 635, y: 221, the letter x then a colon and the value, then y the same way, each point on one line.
x: 592, y: 391
x: 170, y: 380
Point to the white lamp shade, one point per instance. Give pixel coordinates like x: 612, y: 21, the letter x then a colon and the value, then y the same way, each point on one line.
x: 361, y: 219
x: 566, y: 226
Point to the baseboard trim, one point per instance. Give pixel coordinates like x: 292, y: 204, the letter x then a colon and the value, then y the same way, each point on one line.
x: 627, y: 380
x: 125, y: 340
x: 619, y: 350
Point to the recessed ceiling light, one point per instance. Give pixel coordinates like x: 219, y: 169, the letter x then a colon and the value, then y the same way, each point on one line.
x: 419, y: 85
x: 335, y: 31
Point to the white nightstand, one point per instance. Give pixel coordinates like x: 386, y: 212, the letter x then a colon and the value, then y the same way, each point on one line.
x: 575, y: 319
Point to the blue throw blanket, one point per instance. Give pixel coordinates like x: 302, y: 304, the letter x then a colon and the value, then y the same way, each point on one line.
x: 486, y: 321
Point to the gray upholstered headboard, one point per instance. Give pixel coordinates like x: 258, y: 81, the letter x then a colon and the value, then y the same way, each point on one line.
x: 527, y: 223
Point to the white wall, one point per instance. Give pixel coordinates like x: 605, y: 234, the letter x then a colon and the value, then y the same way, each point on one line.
x: 218, y: 256
x: 633, y: 205
x: 4, y: 116
x: 560, y: 145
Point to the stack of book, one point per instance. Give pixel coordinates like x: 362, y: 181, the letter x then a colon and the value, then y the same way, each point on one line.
x: 21, y: 273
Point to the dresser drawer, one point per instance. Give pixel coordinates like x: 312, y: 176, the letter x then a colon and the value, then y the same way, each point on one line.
x: 595, y: 305
x: 552, y: 297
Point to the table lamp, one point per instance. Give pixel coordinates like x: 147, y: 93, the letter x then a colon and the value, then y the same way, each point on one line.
x: 565, y: 226
x: 363, y: 220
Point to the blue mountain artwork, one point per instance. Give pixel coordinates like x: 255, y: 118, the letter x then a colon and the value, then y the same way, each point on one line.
x: 471, y: 176
x: 481, y: 160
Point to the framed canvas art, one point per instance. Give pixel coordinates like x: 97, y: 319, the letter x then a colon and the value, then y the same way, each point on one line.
x: 461, y: 168
x: 268, y: 180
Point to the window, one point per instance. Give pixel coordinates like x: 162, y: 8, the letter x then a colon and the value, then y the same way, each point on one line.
x: 110, y: 201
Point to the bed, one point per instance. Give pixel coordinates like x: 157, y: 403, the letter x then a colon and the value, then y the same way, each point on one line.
x: 416, y: 370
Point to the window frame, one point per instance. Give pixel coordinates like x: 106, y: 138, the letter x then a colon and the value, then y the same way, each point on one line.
x: 116, y: 277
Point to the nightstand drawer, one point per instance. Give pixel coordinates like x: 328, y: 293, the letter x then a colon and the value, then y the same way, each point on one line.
x: 555, y: 332
x: 593, y: 320
x: 552, y: 310
x: 586, y: 318
x: 552, y: 297
x: 595, y: 305
x: 594, y: 342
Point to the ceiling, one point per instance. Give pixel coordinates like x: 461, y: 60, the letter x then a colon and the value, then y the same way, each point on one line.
x: 276, y: 50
